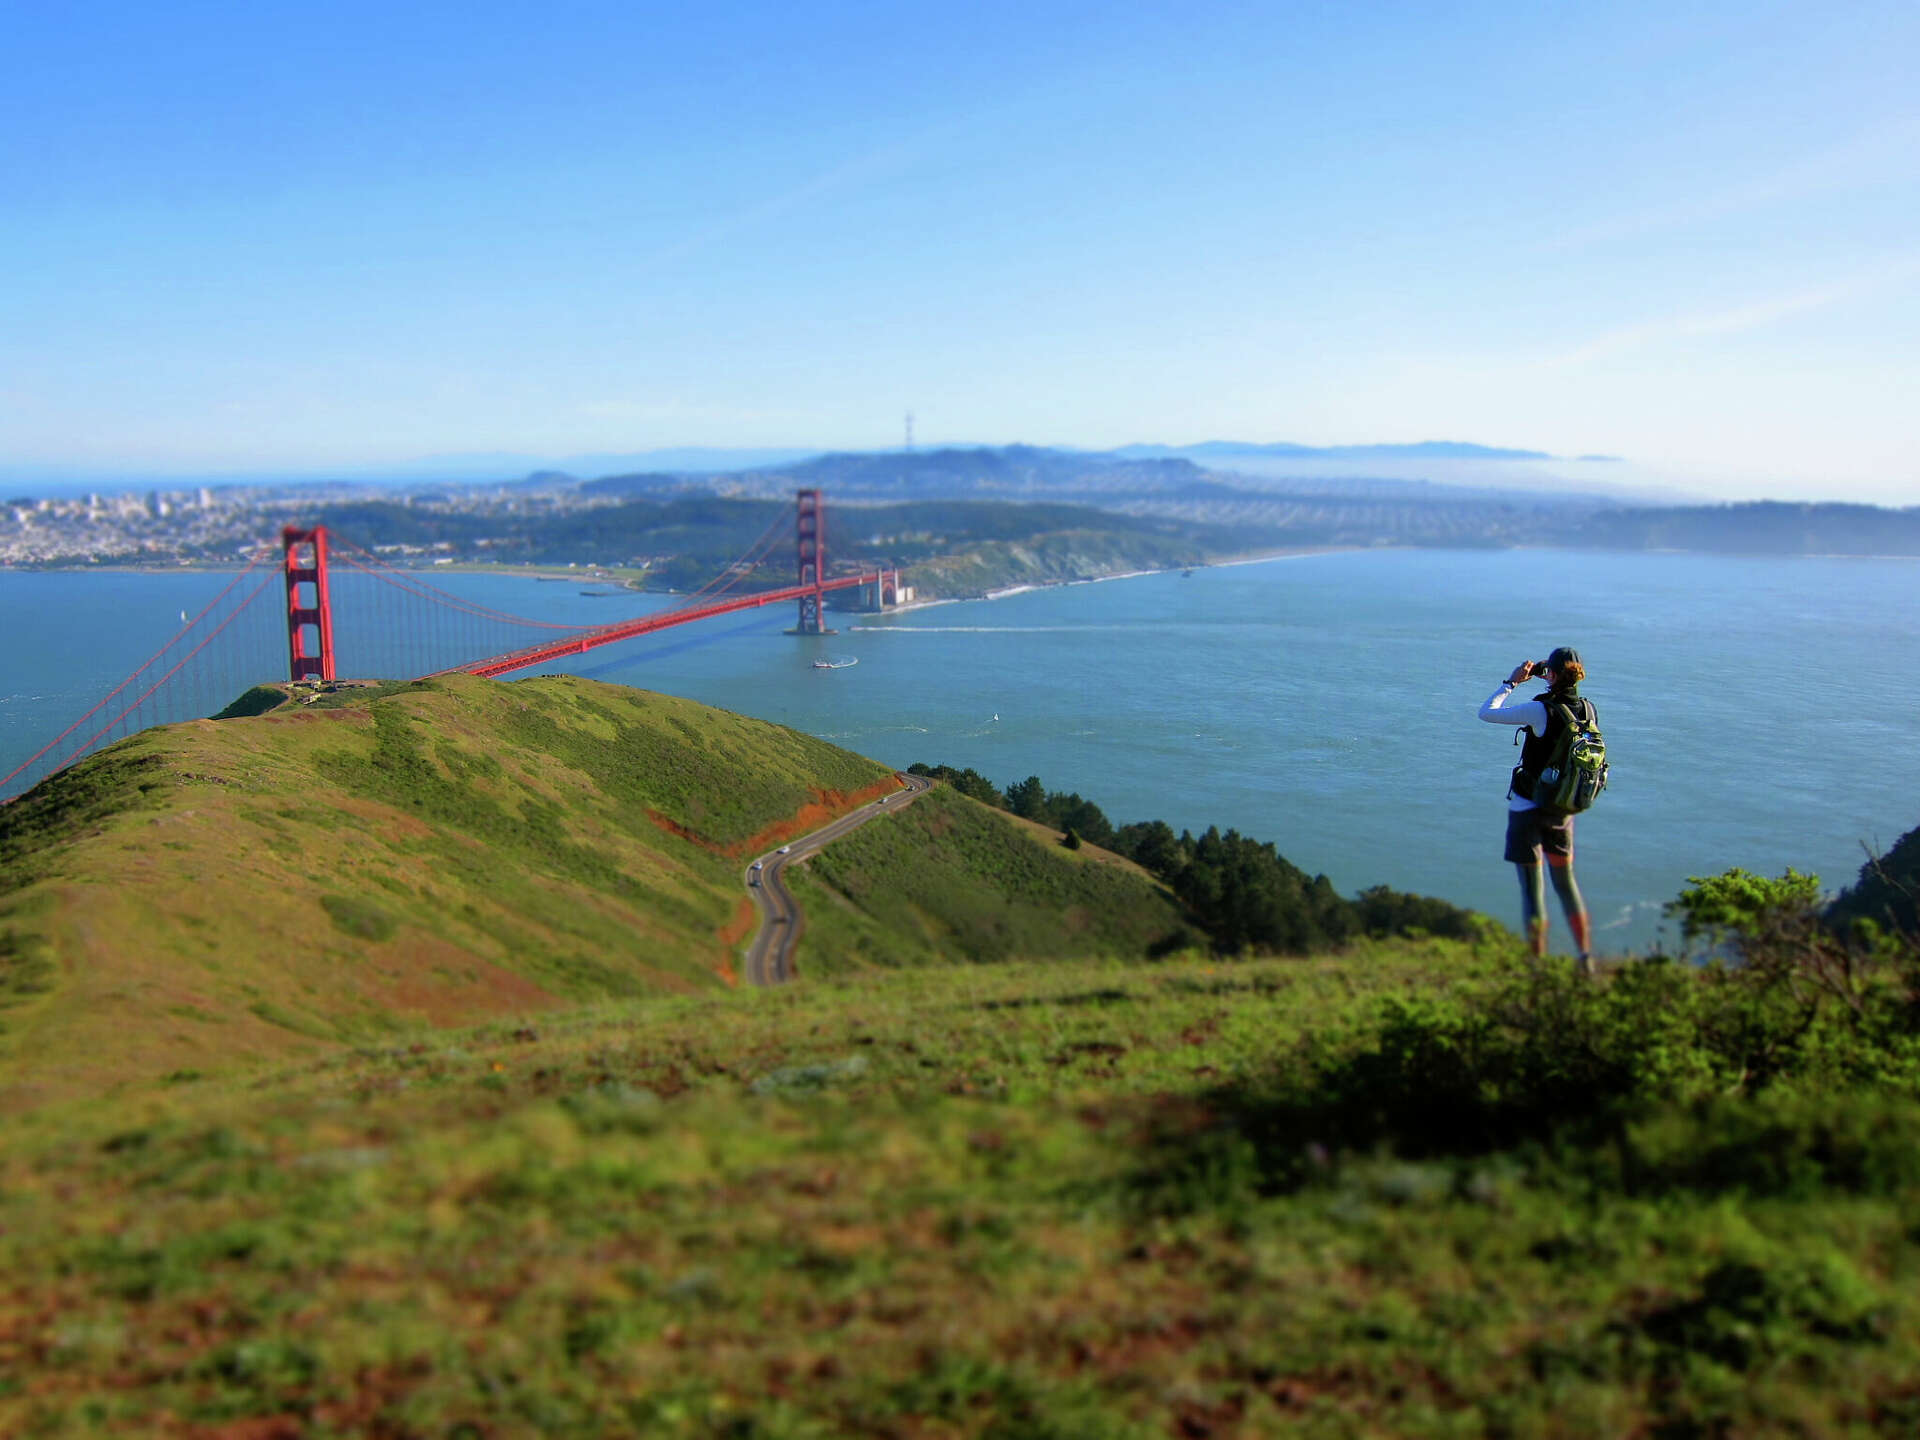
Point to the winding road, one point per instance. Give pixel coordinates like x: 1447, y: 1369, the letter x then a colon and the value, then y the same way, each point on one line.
x: 770, y: 958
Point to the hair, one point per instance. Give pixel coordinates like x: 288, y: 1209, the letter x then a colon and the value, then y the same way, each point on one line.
x: 1570, y: 673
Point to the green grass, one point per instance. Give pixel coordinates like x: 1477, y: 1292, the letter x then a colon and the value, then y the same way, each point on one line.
x: 256, y: 700
x: 1019, y: 1200
x: 948, y: 880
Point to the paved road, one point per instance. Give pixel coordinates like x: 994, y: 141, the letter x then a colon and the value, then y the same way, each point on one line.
x: 770, y: 957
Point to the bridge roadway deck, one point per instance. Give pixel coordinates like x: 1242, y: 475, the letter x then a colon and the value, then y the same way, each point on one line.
x: 583, y: 641
x: 770, y: 957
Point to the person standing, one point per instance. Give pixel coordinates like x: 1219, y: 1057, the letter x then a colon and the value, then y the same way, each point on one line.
x: 1531, y: 830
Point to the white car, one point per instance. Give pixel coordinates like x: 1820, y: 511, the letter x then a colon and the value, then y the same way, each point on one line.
x: 758, y: 863
x: 784, y: 849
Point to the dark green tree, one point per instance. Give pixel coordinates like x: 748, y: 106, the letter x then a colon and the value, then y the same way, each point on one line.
x: 969, y: 782
x: 1028, y: 798
x: 1070, y: 812
x: 1888, y: 890
x: 1152, y: 844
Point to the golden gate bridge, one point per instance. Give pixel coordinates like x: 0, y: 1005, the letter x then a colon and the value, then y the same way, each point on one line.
x: 342, y: 611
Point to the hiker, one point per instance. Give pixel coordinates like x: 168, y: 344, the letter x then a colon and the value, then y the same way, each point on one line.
x: 1531, y: 829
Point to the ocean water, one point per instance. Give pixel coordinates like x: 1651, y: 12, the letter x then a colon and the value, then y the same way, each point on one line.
x: 1759, y: 712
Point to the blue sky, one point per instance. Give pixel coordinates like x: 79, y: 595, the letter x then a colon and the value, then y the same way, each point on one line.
x: 275, y: 237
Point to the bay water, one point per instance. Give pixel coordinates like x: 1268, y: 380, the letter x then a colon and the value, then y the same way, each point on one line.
x: 1760, y: 712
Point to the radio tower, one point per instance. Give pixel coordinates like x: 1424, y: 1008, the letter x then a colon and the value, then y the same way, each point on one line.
x: 909, y: 432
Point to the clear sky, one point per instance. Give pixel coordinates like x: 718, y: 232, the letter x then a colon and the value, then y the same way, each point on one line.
x: 277, y: 236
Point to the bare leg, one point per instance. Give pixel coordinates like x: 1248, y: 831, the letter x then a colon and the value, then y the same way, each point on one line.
x: 1578, y: 921
x: 1533, y: 907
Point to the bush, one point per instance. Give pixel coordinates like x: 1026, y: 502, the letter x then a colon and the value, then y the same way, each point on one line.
x: 1540, y: 1046
x: 1778, y: 1066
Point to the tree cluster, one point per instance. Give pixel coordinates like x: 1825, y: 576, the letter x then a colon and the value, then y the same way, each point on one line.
x: 1888, y: 890
x: 1241, y: 892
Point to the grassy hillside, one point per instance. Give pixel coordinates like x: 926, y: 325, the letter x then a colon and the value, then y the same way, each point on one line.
x: 1071, y: 1200
x: 1419, y: 1187
x: 204, y: 894
x: 954, y: 880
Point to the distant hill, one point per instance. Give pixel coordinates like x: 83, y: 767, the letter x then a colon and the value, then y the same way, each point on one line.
x: 209, y: 894
x: 1010, y: 471
x: 949, y: 547
x: 1226, y: 450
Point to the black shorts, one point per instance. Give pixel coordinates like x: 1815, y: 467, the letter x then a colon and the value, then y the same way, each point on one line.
x: 1531, y: 831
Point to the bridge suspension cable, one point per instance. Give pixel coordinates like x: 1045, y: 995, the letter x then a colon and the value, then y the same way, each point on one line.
x: 737, y: 570
x: 367, y: 563
x: 261, y: 558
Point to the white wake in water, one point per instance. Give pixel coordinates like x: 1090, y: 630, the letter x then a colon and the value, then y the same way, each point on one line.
x: 989, y: 629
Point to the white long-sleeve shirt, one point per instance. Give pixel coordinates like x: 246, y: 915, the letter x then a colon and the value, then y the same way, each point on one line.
x: 1531, y: 713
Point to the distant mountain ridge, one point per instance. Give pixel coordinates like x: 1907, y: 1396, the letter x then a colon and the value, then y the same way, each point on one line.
x: 1281, y: 449
x: 502, y: 466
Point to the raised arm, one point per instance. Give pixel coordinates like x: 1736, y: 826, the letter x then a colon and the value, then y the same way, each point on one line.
x: 1496, y: 710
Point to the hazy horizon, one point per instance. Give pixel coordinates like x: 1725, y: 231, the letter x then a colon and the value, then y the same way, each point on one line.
x: 1615, y: 477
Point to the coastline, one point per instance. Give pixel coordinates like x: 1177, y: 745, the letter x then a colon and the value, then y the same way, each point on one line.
x: 1263, y: 557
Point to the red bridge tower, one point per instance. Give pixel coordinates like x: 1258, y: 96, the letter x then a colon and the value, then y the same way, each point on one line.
x: 306, y: 565
x: 811, y: 543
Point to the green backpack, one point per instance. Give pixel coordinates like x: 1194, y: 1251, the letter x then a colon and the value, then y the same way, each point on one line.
x: 1576, y: 770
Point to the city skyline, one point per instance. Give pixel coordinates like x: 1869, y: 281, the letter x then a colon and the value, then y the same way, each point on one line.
x: 289, y: 241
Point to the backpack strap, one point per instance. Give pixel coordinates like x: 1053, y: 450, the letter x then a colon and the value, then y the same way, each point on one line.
x: 1585, y: 718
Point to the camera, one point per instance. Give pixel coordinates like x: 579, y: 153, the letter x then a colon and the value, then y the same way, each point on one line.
x: 1539, y: 667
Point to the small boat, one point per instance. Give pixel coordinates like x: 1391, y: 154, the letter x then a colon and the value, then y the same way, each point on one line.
x: 834, y: 664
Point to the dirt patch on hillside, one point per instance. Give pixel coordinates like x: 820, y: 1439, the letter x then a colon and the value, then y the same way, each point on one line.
x: 745, y: 917
x: 384, y: 821
x: 741, y: 925
x: 433, y: 980
x: 825, y: 807
x: 674, y: 827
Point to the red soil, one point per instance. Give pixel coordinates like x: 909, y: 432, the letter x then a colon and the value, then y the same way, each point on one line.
x: 411, y: 985
x: 731, y: 934
x: 825, y: 807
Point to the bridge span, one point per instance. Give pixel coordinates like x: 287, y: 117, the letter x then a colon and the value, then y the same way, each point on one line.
x: 648, y: 624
